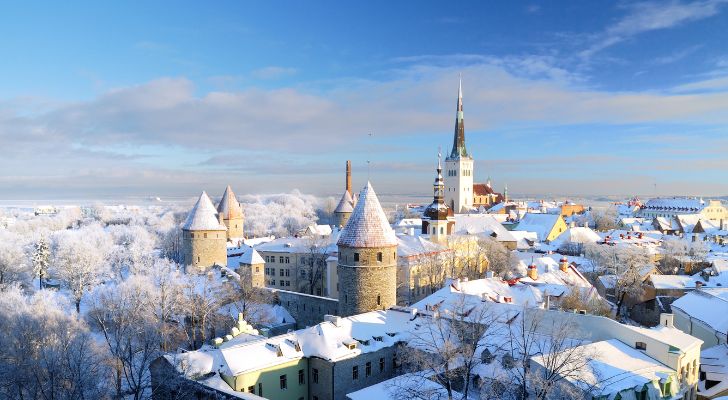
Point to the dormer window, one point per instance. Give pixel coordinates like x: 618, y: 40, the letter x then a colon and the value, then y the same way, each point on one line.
x: 640, y: 346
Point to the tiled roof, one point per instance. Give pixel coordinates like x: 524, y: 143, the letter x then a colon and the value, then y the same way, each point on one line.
x: 346, y: 204
x: 368, y: 225
x: 203, y: 216
x: 229, y: 206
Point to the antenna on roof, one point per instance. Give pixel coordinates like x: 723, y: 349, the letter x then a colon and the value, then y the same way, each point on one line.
x: 368, y: 158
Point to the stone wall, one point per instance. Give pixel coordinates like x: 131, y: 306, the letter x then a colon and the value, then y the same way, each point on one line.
x: 203, y: 249
x: 308, y: 310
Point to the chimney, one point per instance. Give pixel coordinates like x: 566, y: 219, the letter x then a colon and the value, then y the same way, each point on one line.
x: 348, y: 176
x: 564, y: 264
x: 667, y: 320
x: 533, y: 272
x: 698, y: 285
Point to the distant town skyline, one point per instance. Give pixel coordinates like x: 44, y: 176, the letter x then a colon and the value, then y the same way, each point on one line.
x: 169, y: 99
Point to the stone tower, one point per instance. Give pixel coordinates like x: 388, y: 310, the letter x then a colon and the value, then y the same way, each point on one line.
x: 459, y: 166
x: 346, y: 204
x: 232, y: 214
x: 204, y: 238
x: 253, y: 265
x: 367, y: 266
x: 438, y: 220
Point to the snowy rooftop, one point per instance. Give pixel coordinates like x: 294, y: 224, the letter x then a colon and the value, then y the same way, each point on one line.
x: 368, y: 225
x: 707, y: 305
x: 229, y: 206
x: 346, y: 204
x: 395, y: 388
x: 203, y: 216
x: 714, y: 363
x: 675, y: 203
x: 410, y: 246
x: 539, y: 223
x: 616, y: 367
x: 244, y: 255
x: 578, y: 234
x: 474, y: 224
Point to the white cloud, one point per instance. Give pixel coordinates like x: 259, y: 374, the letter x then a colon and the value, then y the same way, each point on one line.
x: 273, y: 72
x: 651, y: 16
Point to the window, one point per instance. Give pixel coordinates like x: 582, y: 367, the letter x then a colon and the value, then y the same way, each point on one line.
x: 368, y: 369
x: 280, y: 272
x: 192, y: 235
x: 355, y: 372
x: 381, y: 364
x: 379, y: 256
x: 205, y: 234
x: 280, y: 259
x: 251, y: 389
x: 257, y: 269
x: 640, y: 346
x: 301, y: 379
x: 379, y: 300
x: 284, y: 382
x: 318, y: 291
x: 315, y: 375
x: 288, y: 260
x: 356, y: 257
x: 198, y: 258
x: 288, y: 272
x: 260, y: 389
x: 272, y: 281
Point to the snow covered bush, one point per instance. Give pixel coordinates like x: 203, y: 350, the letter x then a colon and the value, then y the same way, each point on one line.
x: 278, y: 214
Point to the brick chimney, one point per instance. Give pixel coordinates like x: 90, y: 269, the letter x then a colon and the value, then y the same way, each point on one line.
x: 348, y: 176
x: 533, y: 272
x: 564, y: 264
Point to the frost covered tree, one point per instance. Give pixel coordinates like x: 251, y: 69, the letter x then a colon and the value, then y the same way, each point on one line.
x: 556, y: 343
x: 278, y: 214
x: 45, y: 353
x: 312, y: 274
x: 79, y: 260
x: 14, y: 266
x: 500, y: 259
x: 124, y: 316
x: 604, y: 219
x: 41, y: 259
x: 447, y: 348
x: 673, y: 249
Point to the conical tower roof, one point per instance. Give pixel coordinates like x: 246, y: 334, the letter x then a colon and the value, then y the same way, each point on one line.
x: 229, y: 206
x: 368, y: 225
x: 346, y: 204
x: 203, y: 216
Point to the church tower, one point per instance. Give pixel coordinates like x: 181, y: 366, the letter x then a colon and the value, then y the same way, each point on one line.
x: 367, y: 265
x: 459, y: 166
x: 438, y: 220
x: 231, y: 213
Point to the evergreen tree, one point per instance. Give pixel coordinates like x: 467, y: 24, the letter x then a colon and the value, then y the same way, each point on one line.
x: 41, y: 259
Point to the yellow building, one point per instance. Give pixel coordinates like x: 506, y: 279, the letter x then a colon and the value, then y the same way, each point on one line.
x: 546, y: 226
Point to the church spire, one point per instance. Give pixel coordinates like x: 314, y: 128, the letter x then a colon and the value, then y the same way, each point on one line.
x: 458, y: 146
x: 439, y: 186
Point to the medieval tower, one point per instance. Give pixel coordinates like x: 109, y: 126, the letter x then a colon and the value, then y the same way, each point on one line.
x: 346, y: 204
x: 204, y: 237
x: 459, y: 166
x: 438, y: 220
x: 232, y: 214
x: 367, y: 266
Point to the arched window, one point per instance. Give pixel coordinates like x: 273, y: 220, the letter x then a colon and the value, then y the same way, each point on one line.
x: 379, y: 256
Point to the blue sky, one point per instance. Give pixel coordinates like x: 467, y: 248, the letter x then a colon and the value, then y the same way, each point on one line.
x: 170, y: 98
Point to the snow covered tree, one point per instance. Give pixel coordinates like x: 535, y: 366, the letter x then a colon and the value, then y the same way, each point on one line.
x: 500, y: 259
x: 315, y: 267
x: 124, y: 315
x: 673, y: 249
x: 604, y: 219
x: 14, y: 267
x: 46, y: 353
x: 79, y: 260
x: 41, y: 259
x: 447, y: 348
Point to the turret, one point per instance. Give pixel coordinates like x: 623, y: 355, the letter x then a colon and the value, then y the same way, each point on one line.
x: 203, y: 236
x: 231, y: 214
x: 438, y: 220
x: 343, y: 210
x: 367, y: 265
